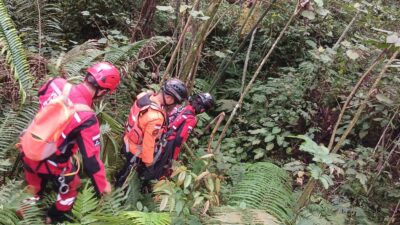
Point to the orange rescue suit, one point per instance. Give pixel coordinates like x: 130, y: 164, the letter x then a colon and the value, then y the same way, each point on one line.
x: 145, y: 122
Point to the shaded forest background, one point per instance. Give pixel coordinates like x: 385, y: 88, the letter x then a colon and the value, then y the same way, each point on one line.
x: 309, y: 90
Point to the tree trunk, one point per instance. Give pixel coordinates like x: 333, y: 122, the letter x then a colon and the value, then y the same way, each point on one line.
x: 143, y: 28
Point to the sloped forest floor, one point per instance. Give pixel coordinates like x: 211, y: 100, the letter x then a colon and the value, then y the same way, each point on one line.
x: 306, y: 127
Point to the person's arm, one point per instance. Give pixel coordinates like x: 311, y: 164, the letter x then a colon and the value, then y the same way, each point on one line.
x: 88, y: 140
x: 151, y: 131
x: 183, y: 133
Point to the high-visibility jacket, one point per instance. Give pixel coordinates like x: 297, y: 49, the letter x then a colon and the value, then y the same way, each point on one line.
x: 83, y: 134
x: 143, y: 128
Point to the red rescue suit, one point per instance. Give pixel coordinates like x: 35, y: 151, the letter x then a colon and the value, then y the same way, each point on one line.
x: 83, y: 133
x: 181, y: 123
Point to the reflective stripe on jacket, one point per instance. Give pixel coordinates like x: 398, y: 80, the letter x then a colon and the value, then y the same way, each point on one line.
x: 82, y: 133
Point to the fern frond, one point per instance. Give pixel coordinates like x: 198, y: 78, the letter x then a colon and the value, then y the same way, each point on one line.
x: 148, y: 218
x: 84, y: 210
x: 267, y: 187
x: 228, y: 215
x: 113, y: 204
x: 12, y: 47
x: 114, y: 54
x: 12, y: 125
x: 12, y: 198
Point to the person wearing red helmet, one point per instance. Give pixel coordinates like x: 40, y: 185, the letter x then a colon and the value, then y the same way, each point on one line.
x: 145, y: 123
x: 82, y: 133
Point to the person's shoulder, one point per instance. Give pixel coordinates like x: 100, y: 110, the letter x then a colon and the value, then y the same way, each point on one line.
x: 59, y: 81
x: 154, y: 114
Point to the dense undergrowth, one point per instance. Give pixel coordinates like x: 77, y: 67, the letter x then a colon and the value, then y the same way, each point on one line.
x: 281, y: 138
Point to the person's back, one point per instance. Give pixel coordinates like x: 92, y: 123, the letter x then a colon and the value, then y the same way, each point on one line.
x: 144, y: 126
x: 81, y: 133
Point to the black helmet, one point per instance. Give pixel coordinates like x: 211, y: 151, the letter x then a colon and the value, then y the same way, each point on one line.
x: 203, y: 100
x: 177, y: 89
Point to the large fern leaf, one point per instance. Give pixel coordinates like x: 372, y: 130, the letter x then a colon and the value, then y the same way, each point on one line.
x: 12, y: 199
x: 228, y: 215
x: 15, y: 54
x: 265, y: 186
x: 84, y: 210
x: 11, y: 127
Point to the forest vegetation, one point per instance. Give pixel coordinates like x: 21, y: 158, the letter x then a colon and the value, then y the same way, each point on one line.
x: 306, y: 129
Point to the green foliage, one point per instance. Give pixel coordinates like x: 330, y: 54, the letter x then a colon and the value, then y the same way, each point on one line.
x: 267, y: 187
x: 187, y: 191
x: 11, y: 126
x: 12, y: 48
x: 322, y: 156
x: 229, y: 215
x: 13, y: 198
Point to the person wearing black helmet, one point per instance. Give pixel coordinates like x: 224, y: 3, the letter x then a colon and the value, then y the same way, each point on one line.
x: 145, y: 123
x: 182, y: 121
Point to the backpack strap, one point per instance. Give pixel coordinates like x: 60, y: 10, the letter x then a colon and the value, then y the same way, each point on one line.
x: 78, y: 107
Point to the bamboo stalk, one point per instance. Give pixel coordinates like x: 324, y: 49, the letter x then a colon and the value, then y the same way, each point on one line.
x: 199, y: 39
x: 178, y: 46
x: 249, y: 85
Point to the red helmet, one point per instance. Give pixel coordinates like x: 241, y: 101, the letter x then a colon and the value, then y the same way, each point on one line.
x: 105, y: 74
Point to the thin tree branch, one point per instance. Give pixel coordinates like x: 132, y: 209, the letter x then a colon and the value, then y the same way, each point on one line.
x: 362, y: 106
x: 246, y: 62
x: 225, y: 63
x: 249, y: 85
x: 350, y: 97
x: 345, y: 31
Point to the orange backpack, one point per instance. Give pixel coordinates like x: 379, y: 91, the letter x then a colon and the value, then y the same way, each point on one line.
x: 39, y: 141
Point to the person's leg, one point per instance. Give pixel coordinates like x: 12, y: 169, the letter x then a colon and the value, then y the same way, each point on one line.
x: 65, y: 198
x: 123, y: 174
x: 35, y: 186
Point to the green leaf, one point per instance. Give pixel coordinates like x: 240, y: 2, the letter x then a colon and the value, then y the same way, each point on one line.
x: 320, y: 3
x: 315, y: 171
x: 85, y: 13
x: 269, y: 147
x: 220, y: 54
x: 269, y: 138
x: 168, y: 8
x: 363, y: 180
x: 279, y: 140
x: 276, y: 130
x: 258, y: 131
x: 199, y: 15
x: 308, y: 14
x: 259, y: 153
x: 352, y: 54
x: 382, y: 98
x: 164, y: 202
x: 179, y: 206
x: 269, y: 124
x: 187, y: 182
